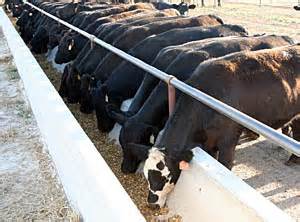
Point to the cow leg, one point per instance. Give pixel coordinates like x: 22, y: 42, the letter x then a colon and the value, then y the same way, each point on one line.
x: 296, y: 135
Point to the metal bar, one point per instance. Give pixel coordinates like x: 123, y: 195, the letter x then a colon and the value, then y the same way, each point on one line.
x: 286, y: 142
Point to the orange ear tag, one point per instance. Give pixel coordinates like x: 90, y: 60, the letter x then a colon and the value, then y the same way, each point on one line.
x: 183, y: 165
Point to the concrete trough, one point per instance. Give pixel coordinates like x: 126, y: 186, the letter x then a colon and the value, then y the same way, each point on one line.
x: 205, y: 192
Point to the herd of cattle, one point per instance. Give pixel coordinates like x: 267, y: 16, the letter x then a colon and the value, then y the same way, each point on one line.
x: 258, y: 75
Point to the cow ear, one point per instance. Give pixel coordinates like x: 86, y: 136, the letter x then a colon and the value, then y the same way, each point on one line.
x: 138, y: 150
x: 192, y: 6
x: 186, y: 156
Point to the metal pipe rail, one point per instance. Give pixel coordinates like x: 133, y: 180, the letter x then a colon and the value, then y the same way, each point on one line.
x: 284, y: 141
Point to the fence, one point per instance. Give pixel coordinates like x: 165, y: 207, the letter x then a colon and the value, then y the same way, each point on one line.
x: 284, y: 141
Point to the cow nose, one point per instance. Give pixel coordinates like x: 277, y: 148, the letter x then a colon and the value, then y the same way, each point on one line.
x: 153, y: 206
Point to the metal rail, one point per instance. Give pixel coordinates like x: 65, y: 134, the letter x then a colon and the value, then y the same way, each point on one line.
x: 284, y: 141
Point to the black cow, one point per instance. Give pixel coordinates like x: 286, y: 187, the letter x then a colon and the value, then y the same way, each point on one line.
x: 31, y: 21
x: 134, y: 35
x: 70, y: 46
x: 111, y: 61
x: 71, y: 9
x: 229, y: 79
x: 154, y: 112
x: 98, y: 52
x: 119, y: 86
x: 41, y: 37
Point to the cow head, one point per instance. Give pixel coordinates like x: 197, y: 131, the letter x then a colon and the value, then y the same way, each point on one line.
x: 162, y: 172
x: 63, y: 91
x: 99, y: 101
x: 66, y: 49
x: 40, y: 40
x: 25, y: 23
x: 55, y: 34
x: 118, y: 115
x: 86, y: 105
x: 17, y: 9
x: 70, y: 84
x: 26, y: 16
x: 136, y: 139
x: 183, y: 7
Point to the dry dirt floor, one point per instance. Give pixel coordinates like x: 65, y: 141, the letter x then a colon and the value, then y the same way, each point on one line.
x: 258, y: 20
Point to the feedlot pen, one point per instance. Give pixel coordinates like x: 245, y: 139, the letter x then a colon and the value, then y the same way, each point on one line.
x: 259, y: 163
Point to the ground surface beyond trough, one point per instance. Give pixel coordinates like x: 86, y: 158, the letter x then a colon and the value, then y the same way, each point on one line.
x: 29, y: 189
x: 258, y: 20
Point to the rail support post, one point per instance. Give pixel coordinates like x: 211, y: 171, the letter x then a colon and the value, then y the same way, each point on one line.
x: 171, y: 95
x: 92, y: 41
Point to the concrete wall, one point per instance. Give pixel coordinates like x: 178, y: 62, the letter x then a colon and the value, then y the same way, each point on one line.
x: 88, y: 182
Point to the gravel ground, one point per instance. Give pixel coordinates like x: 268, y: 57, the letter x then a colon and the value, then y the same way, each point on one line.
x: 29, y: 188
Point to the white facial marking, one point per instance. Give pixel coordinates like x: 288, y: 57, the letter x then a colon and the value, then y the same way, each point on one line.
x: 30, y: 14
x: 106, y: 98
x: 155, y: 156
x: 152, y: 139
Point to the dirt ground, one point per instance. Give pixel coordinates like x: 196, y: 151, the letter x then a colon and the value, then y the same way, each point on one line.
x: 257, y: 20
x: 261, y: 164
x: 29, y: 188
